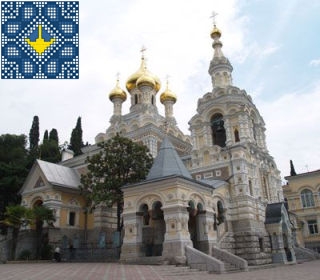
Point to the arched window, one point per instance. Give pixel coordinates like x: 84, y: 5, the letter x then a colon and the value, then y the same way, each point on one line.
x: 218, y: 130
x: 220, y: 216
x: 307, y: 198
x: 254, y: 130
x: 250, y: 188
x: 236, y: 135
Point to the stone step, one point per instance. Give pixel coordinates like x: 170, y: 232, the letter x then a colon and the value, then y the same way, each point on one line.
x: 170, y: 270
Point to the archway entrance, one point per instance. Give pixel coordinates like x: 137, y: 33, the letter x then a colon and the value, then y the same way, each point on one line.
x: 193, y: 223
x: 153, y: 229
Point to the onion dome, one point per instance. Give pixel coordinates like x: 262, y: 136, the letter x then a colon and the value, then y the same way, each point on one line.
x: 148, y: 77
x: 168, y: 95
x: 117, y: 92
x: 215, y: 33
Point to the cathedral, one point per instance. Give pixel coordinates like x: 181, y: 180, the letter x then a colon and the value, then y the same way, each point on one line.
x: 215, y: 193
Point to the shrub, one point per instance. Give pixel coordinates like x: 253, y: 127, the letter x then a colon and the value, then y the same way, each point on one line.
x: 25, y: 255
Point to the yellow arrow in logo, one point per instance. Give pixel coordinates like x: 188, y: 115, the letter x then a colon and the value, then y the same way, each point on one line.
x: 40, y: 45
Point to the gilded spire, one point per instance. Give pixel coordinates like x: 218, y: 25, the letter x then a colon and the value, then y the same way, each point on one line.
x: 220, y: 68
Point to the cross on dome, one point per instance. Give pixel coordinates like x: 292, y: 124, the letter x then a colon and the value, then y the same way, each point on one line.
x: 213, y: 16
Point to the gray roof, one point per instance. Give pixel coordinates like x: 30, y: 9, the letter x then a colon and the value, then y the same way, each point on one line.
x: 60, y: 175
x: 167, y: 163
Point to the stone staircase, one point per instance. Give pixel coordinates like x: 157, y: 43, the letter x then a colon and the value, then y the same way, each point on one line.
x: 178, y: 271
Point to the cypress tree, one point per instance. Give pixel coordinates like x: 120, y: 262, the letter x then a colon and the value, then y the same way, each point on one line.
x: 292, y: 170
x: 49, y: 149
x: 45, y: 136
x: 53, y: 135
x: 34, y: 134
x: 76, y: 142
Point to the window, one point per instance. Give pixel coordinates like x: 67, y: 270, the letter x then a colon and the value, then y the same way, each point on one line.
x: 250, y: 188
x: 313, y: 227
x: 307, y: 199
x: 236, y: 135
x: 72, y: 218
x: 218, y: 130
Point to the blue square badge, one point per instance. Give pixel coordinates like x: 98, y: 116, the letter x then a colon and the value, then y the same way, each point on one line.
x: 40, y: 40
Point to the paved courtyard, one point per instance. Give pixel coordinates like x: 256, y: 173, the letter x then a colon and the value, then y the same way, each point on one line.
x: 110, y: 271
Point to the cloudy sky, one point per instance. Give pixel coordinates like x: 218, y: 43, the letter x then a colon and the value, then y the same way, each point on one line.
x: 274, y: 47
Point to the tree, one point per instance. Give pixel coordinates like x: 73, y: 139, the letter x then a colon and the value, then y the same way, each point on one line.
x: 76, y: 142
x: 34, y: 141
x: 15, y: 217
x: 42, y: 214
x: 34, y: 134
x: 292, y: 170
x: 13, y: 170
x: 45, y: 136
x: 49, y: 149
x: 120, y: 161
x: 53, y: 135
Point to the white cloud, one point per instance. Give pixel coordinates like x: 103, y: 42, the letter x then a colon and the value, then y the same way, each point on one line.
x: 269, y: 49
x: 315, y: 62
x: 293, y: 130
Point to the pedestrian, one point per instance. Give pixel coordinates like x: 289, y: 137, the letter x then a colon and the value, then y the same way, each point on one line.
x: 57, y: 254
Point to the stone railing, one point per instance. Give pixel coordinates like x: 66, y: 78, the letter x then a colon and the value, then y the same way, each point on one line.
x: 227, y: 257
x: 202, y: 261
x: 305, y: 254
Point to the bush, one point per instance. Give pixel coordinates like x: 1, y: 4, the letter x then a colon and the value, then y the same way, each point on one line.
x: 25, y: 255
x: 46, y: 252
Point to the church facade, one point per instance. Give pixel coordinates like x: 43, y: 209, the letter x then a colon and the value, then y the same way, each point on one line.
x: 218, y: 188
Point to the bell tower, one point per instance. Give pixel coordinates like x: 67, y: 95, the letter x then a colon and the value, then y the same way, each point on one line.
x: 229, y: 143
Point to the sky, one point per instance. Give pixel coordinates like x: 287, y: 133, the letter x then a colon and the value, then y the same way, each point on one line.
x: 274, y: 47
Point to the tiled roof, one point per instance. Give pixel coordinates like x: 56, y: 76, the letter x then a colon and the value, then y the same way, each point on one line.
x: 167, y: 163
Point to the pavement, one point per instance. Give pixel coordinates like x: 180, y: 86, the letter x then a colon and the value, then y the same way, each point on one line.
x: 112, y: 271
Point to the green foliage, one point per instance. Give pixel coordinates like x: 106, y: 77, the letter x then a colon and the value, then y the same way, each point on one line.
x: 46, y: 252
x: 43, y: 214
x: 13, y: 169
x: 34, y: 134
x: 49, y: 149
x: 120, y: 161
x: 45, y: 136
x: 33, y: 142
x: 76, y: 142
x: 53, y: 135
x: 17, y: 215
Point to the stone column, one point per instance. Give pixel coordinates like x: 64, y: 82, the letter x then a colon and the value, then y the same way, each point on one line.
x: 177, y: 234
x: 205, y: 232
x: 132, y: 246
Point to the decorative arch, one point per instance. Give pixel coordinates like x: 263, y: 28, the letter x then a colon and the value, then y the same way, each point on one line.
x: 149, y: 200
x: 218, y: 130
x: 196, y: 199
x: 37, y: 201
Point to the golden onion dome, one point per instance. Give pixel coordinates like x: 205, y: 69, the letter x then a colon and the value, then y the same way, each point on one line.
x: 142, y: 71
x: 215, y: 33
x: 168, y: 95
x: 117, y: 92
x: 146, y: 79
